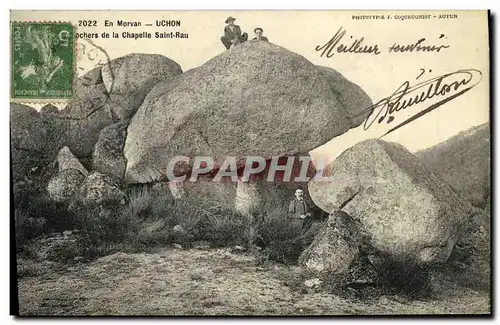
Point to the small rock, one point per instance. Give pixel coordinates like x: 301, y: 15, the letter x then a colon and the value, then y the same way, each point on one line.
x: 101, y: 189
x: 384, y: 300
x: 67, y: 160
x: 179, y: 229
x: 335, y: 246
x: 65, y: 185
x: 312, y: 283
x: 239, y: 248
x: 107, y: 157
x: 201, y: 245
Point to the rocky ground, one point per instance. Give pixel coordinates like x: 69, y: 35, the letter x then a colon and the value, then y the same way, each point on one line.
x: 202, y: 281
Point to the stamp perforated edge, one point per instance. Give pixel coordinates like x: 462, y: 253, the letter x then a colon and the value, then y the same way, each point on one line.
x: 31, y: 101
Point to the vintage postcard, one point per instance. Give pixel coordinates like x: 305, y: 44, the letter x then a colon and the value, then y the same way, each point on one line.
x: 250, y: 163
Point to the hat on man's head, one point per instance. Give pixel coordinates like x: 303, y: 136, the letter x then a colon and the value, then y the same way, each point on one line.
x: 229, y: 19
x: 258, y: 28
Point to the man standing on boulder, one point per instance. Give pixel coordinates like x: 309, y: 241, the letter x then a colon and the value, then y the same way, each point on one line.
x: 298, y: 210
x: 258, y: 35
x: 232, y: 34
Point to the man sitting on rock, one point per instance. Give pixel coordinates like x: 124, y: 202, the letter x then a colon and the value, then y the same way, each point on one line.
x: 258, y: 35
x: 232, y: 34
x: 298, y: 210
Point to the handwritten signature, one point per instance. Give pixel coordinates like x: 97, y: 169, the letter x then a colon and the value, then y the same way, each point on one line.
x: 445, y: 87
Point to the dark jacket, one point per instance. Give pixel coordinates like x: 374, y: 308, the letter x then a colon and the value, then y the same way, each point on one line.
x: 263, y: 38
x: 297, y: 208
x: 236, y: 33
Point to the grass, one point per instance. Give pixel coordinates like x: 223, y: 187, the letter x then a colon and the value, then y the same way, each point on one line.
x: 37, y: 215
x: 152, y: 220
x: 169, y: 283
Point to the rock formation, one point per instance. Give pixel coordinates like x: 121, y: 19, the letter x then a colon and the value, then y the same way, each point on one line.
x: 257, y: 99
x: 65, y: 186
x: 403, y: 206
x: 335, y: 247
x: 101, y: 189
x: 107, y: 157
x: 129, y: 79
x: 351, y: 96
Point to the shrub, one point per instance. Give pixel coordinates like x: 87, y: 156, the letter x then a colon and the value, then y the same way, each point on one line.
x: 283, y: 237
x: 151, y: 234
x: 469, y: 264
x: 152, y: 219
x: 57, y: 215
x: 67, y: 250
x: 404, y: 275
x: 26, y: 227
x: 140, y: 204
x: 156, y: 216
x: 36, y: 215
x: 148, y: 220
x: 104, y: 225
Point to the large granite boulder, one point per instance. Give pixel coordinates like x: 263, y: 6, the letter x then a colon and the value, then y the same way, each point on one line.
x: 26, y: 127
x: 65, y: 186
x: 256, y: 99
x: 129, y: 79
x: 406, y: 209
x: 35, y: 140
x: 351, y: 96
x: 219, y: 193
x: 243, y: 197
x: 108, y: 152
x: 112, y: 93
x: 88, y: 113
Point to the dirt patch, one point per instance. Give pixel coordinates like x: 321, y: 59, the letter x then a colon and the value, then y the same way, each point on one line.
x: 209, y: 282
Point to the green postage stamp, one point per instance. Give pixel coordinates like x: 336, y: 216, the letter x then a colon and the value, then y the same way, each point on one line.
x: 43, y: 58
